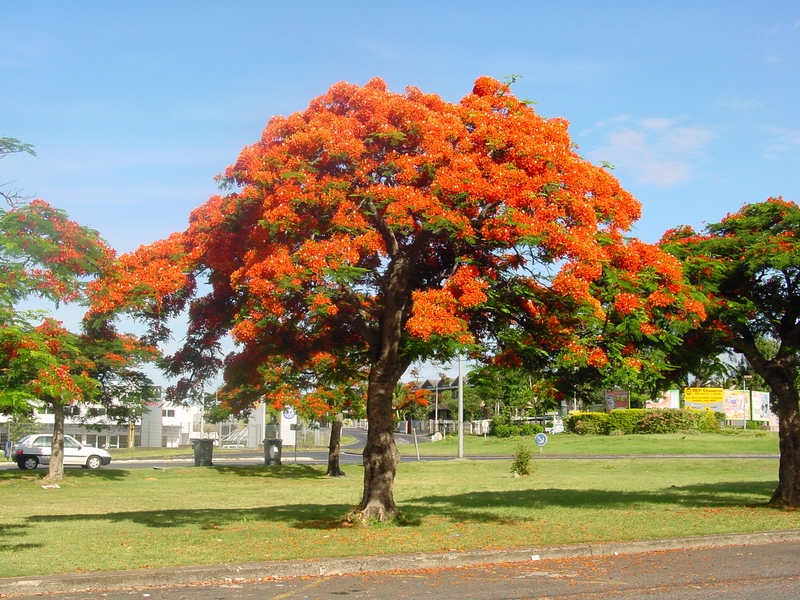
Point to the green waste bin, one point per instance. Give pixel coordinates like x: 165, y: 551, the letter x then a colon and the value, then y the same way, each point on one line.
x: 272, y: 451
x: 203, y: 452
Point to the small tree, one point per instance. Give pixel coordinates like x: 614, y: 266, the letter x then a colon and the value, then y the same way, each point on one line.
x: 43, y: 254
x: 521, y: 463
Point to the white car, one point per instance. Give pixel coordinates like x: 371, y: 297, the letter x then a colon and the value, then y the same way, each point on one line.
x: 33, y: 450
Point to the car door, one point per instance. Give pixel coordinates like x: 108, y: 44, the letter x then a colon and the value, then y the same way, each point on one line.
x: 40, y: 447
x: 73, y: 454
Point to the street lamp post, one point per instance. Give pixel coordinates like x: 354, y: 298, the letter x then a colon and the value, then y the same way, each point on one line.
x: 460, y: 410
x: 746, y: 408
x: 436, y: 408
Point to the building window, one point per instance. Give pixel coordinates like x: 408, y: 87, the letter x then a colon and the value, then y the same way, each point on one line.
x: 168, y: 412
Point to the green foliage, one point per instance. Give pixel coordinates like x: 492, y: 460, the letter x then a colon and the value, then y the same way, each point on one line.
x: 747, y: 267
x: 508, y: 388
x: 636, y: 420
x: 503, y: 427
x: 626, y: 420
x: 521, y: 463
x: 45, y: 255
x: 707, y: 421
x: 12, y: 146
x: 589, y: 423
x: 668, y: 421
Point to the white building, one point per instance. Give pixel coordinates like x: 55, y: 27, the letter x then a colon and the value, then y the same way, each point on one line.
x: 92, y: 432
x: 162, y: 425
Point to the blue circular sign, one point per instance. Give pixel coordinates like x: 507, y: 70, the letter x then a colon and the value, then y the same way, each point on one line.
x: 540, y: 439
x: 288, y: 413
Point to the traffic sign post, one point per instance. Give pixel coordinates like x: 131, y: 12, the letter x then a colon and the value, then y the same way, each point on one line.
x: 541, y: 440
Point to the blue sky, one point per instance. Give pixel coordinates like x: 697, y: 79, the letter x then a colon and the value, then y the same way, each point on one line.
x: 134, y: 107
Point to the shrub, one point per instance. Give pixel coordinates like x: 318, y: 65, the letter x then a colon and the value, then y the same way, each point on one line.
x: 670, y: 420
x: 708, y: 421
x: 521, y: 463
x: 626, y: 420
x: 503, y: 428
x: 589, y: 423
x: 531, y: 429
x: 500, y: 427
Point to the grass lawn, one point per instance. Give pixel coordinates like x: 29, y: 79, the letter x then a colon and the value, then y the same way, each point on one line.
x: 113, y: 519
x: 734, y: 441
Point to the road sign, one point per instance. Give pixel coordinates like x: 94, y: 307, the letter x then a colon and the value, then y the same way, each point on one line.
x: 540, y: 439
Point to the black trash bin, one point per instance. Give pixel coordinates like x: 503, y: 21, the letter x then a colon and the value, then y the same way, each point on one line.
x: 203, y: 452
x: 272, y: 451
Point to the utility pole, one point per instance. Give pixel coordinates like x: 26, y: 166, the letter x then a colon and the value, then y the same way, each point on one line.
x: 460, y: 409
x: 747, y: 407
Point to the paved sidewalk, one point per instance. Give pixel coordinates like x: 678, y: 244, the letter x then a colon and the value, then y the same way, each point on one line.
x: 26, y: 586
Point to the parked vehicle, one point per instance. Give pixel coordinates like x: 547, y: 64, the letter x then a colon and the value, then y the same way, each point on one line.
x: 33, y: 450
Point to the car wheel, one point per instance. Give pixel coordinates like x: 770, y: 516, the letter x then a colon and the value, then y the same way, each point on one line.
x: 93, y: 462
x: 28, y: 462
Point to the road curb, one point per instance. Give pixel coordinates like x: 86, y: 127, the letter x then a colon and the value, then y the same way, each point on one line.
x: 227, y: 573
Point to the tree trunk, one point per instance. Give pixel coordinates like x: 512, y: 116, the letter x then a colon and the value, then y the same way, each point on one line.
x: 334, y: 447
x: 56, y: 469
x: 788, y: 490
x: 380, y: 454
x: 387, y: 365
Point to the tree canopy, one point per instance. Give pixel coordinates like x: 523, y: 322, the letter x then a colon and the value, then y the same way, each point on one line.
x: 748, y: 268
x: 375, y: 229
x: 45, y: 255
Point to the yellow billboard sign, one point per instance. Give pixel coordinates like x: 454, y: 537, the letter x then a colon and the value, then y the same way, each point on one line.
x: 705, y: 399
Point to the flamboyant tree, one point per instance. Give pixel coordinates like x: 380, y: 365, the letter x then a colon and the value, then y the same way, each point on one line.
x: 748, y: 267
x: 45, y: 255
x: 375, y: 229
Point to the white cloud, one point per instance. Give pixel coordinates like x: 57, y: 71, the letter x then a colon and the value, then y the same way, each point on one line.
x: 658, y: 149
x: 784, y: 142
x: 739, y: 105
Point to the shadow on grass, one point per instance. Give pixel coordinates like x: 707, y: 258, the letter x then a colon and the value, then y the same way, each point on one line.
x: 9, y: 538
x: 300, y: 516
x: 483, y: 506
x: 101, y: 474
x: 475, y: 507
x: 37, y: 475
x: 274, y: 472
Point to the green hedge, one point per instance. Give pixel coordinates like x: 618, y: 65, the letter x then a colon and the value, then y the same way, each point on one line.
x: 589, y: 423
x: 503, y: 428
x: 626, y: 420
x: 637, y: 420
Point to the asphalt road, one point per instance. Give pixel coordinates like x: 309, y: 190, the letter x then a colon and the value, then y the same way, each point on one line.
x: 766, y: 572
